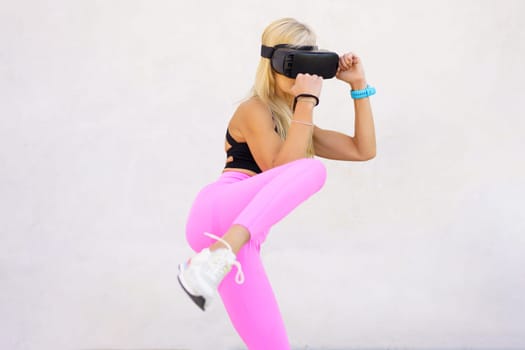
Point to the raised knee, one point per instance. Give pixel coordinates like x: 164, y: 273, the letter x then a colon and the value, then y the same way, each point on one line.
x: 320, y: 170
x: 315, y: 170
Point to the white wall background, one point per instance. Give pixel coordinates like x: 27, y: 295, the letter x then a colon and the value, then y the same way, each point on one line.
x: 112, y: 116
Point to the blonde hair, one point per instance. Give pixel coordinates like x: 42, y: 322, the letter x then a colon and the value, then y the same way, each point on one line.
x: 282, y: 31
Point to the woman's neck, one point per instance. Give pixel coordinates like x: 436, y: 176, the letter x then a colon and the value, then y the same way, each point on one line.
x: 285, y: 97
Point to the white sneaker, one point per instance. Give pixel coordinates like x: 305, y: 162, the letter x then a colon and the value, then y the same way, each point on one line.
x: 201, y: 276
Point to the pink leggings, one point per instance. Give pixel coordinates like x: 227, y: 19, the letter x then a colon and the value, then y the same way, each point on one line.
x: 257, y: 203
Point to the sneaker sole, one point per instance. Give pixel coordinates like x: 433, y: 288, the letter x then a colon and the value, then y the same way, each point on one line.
x: 197, y: 299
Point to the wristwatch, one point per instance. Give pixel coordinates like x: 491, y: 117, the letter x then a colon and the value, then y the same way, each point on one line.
x: 368, y: 91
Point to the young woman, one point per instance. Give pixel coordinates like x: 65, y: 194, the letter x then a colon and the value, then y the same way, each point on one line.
x: 270, y: 143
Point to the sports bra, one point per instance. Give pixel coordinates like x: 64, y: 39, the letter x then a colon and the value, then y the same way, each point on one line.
x: 241, y: 154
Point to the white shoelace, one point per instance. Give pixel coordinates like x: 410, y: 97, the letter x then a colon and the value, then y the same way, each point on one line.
x: 239, y: 276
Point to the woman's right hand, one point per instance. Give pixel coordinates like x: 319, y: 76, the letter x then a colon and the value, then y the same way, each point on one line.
x: 307, y: 84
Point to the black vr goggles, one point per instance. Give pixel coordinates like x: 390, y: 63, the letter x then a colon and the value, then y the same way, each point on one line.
x: 291, y: 60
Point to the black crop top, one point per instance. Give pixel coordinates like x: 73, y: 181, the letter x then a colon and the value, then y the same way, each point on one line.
x: 241, y: 154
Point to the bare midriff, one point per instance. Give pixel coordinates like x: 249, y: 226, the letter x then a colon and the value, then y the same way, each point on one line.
x: 239, y: 170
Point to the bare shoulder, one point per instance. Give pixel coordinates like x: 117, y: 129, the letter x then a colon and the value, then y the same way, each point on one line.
x: 252, y: 114
x: 252, y: 123
x: 254, y: 108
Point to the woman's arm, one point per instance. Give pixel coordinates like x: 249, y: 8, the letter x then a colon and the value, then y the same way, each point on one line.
x: 362, y: 146
x: 336, y: 145
x: 256, y: 126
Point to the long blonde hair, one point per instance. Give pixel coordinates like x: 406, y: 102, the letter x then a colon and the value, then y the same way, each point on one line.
x: 282, y: 31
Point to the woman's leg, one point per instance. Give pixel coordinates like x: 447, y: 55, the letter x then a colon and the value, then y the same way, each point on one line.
x: 271, y: 196
x: 255, y: 203
x: 251, y: 306
x: 292, y: 186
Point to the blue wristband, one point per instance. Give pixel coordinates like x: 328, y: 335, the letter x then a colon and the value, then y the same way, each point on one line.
x: 368, y: 91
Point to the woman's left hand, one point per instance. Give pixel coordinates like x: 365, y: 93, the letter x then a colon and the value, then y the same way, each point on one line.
x: 351, y: 71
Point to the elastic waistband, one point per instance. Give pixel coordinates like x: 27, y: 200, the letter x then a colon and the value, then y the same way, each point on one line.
x: 232, y: 176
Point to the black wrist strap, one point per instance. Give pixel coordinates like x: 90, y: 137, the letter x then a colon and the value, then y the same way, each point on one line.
x: 304, y: 95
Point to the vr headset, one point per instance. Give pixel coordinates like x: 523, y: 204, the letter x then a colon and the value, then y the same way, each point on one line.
x: 291, y: 60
